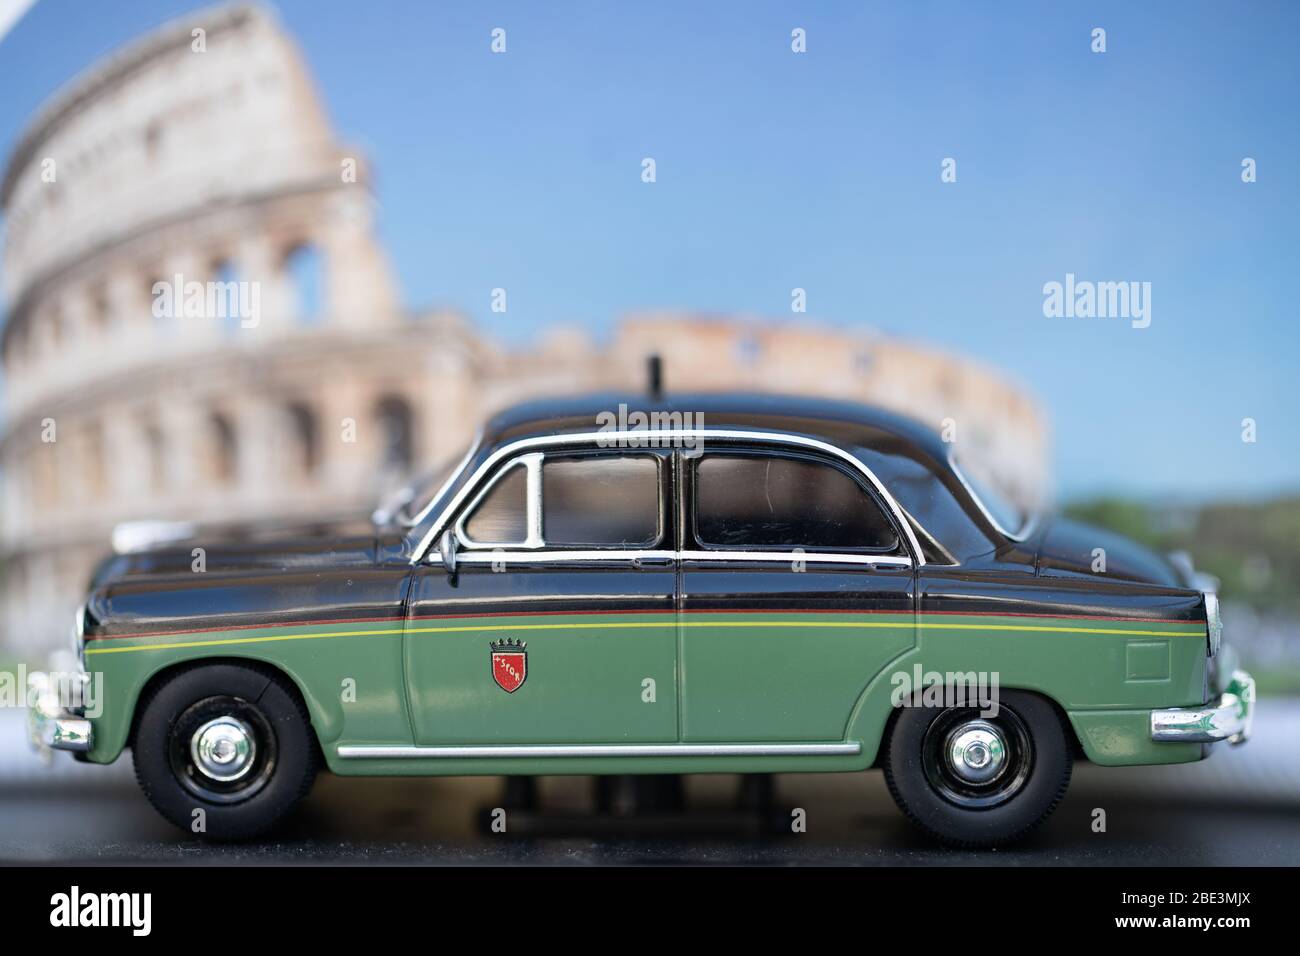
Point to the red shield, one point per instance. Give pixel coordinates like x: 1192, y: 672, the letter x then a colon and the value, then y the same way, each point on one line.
x: 509, y: 668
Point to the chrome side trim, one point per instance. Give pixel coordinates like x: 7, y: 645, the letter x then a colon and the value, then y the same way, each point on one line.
x: 1229, y: 719
x: 640, y: 439
x: 595, y: 554
x: 786, y: 557
x: 507, y: 751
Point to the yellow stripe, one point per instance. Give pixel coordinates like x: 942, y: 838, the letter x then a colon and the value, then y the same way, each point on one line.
x: 630, y: 624
x: 1079, y: 630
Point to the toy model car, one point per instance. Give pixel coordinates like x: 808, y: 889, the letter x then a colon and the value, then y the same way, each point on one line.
x: 729, y: 585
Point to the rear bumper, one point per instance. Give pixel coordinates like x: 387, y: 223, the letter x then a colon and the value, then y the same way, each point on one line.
x: 49, y: 725
x: 1229, y: 718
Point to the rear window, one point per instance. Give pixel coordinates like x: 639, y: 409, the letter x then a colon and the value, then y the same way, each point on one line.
x: 770, y: 501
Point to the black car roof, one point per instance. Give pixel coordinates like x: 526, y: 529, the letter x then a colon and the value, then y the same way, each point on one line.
x: 829, y: 420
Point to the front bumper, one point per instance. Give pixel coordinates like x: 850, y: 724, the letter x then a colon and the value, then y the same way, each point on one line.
x: 1229, y: 718
x: 49, y: 725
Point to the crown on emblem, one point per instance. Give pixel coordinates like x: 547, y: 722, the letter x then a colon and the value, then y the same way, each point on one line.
x: 508, y: 644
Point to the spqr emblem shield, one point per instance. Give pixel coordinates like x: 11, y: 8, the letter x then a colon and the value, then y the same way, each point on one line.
x: 509, y: 664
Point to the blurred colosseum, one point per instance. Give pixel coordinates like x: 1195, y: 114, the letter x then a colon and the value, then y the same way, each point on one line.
x: 129, y: 177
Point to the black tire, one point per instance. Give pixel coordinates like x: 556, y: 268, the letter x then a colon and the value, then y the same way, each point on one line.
x: 1033, y: 778
x: 275, y: 770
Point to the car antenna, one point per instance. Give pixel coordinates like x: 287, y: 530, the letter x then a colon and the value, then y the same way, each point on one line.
x: 655, y: 377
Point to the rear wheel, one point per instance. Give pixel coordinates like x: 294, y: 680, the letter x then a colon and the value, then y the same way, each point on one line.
x: 224, y: 750
x: 972, y: 780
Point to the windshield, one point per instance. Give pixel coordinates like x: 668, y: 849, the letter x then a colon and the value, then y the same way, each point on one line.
x: 407, y: 505
x: 1008, y: 517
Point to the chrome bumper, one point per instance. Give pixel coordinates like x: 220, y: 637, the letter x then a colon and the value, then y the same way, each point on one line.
x: 49, y: 726
x: 1228, y: 719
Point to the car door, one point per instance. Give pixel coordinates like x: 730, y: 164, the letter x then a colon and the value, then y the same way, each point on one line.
x: 797, y: 589
x: 558, y: 622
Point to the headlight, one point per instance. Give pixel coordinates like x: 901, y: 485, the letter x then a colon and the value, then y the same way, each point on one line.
x: 1213, y: 622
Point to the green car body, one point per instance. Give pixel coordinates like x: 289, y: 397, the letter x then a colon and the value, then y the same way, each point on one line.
x: 682, y: 641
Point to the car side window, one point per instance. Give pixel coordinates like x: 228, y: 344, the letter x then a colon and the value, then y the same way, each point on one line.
x: 601, y: 501
x: 758, y: 501
x: 501, y: 515
x: 570, y: 500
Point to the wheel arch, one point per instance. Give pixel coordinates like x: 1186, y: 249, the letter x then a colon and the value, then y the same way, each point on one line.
x: 169, y: 671
x: 870, y: 712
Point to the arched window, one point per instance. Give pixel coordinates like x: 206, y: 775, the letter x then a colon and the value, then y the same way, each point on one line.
x: 156, y: 455
x: 58, y: 329
x: 304, y: 439
x: 45, y: 476
x: 93, y: 463
x: 100, y: 309
x: 152, y: 140
x: 305, y: 268
x: 223, y: 450
x: 396, y: 434
x: 226, y: 295
x: 163, y: 304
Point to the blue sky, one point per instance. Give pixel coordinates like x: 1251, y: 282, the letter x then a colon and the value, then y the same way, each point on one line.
x: 821, y: 171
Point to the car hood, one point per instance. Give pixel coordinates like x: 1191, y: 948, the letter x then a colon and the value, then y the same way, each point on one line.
x: 229, y: 548
x: 1070, y: 548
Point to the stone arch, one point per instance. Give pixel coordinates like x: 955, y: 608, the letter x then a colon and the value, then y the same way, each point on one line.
x: 94, y: 465
x: 155, y: 453
x: 221, y: 458
x: 304, y: 438
x: 396, y: 427
x: 304, y: 272
x: 224, y: 271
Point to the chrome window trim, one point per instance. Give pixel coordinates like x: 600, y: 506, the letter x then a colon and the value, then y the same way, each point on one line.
x: 532, y: 465
x: 783, y: 552
x: 450, y: 480
x: 1031, y: 519
x: 534, y: 462
x: 505, y: 751
x: 604, y: 439
x: 621, y: 554
x: 663, y: 484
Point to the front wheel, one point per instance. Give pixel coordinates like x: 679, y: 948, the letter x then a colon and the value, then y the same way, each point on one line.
x: 224, y: 750
x: 972, y: 780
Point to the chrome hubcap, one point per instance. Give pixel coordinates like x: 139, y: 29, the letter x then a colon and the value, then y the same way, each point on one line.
x: 976, y: 751
x: 223, y: 749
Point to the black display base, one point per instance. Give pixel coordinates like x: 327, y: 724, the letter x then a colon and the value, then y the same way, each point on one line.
x: 637, y: 806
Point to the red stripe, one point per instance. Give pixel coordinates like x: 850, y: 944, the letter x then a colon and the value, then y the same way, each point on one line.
x: 708, y: 610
